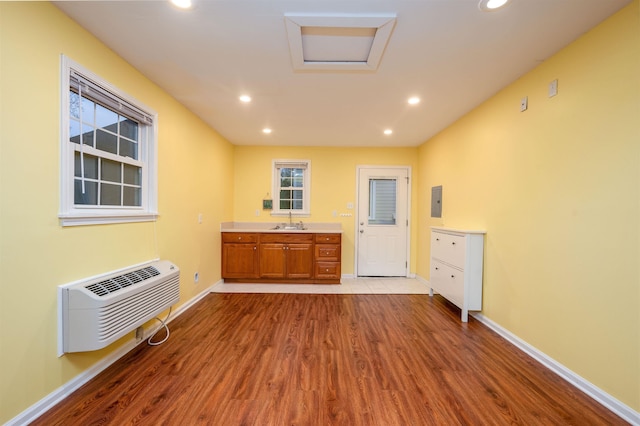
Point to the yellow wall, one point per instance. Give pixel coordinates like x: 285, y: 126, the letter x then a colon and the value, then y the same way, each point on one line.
x: 36, y: 254
x: 557, y: 188
x: 333, y: 185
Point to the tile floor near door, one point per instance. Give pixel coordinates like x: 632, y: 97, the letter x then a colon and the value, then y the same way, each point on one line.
x: 361, y: 285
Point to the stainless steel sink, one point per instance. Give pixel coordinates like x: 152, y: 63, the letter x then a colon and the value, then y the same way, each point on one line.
x: 292, y: 227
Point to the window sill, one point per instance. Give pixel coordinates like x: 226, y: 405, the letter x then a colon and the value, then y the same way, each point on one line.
x: 79, y: 220
x: 285, y: 213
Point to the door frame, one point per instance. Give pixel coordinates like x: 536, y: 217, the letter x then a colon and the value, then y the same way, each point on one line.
x: 357, y: 215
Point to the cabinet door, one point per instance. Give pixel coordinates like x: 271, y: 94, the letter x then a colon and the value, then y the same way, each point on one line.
x: 272, y: 260
x: 299, y: 260
x: 239, y: 260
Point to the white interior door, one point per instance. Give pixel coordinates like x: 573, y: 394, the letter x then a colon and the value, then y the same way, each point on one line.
x: 382, y: 222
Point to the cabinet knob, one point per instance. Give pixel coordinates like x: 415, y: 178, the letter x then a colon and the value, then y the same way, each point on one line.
x: 437, y: 269
x: 453, y: 276
x: 437, y: 239
x: 453, y: 243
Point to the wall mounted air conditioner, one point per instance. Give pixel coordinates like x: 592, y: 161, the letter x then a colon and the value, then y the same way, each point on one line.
x: 98, y: 311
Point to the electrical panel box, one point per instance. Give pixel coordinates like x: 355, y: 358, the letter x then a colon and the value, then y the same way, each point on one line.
x: 436, y: 201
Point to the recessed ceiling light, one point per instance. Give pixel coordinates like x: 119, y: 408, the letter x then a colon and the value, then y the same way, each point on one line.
x: 182, y: 4
x: 388, y: 131
x: 491, y: 5
x: 266, y: 130
x: 414, y: 100
x: 245, y: 98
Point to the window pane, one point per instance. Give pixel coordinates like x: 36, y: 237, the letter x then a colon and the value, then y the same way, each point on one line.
x: 285, y: 194
x: 90, y: 166
x: 132, y: 196
x: 285, y: 204
x: 132, y: 175
x: 106, y: 119
x: 297, y: 205
x: 111, y: 171
x: 74, y: 105
x: 128, y: 128
x: 87, y: 111
x: 297, y: 182
x: 106, y: 141
x: 128, y: 149
x: 285, y: 172
x: 74, y: 131
x: 90, y: 195
x: 297, y: 194
x: 110, y: 194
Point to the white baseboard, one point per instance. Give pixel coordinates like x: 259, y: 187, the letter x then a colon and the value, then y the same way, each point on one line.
x: 46, y: 403
x: 624, y: 411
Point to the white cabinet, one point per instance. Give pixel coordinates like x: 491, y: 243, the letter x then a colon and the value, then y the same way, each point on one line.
x: 456, y: 267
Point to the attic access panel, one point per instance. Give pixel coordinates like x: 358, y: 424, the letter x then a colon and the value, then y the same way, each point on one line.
x: 341, y: 43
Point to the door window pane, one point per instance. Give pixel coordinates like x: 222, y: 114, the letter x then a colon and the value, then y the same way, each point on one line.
x: 382, y: 201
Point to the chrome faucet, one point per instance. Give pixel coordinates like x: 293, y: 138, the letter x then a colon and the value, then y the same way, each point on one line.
x: 290, y: 221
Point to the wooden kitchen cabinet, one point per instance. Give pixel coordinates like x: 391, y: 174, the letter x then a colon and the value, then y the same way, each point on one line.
x: 240, y: 255
x: 277, y: 257
x: 286, y: 256
x: 328, y: 249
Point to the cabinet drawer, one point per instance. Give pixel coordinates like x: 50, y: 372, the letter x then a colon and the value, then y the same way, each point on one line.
x: 328, y: 238
x: 327, y: 270
x: 239, y: 237
x: 327, y: 252
x: 286, y: 238
x: 447, y: 281
x: 448, y: 248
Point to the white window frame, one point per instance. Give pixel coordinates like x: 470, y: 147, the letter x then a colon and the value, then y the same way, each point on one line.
x: 71, y: 214
x: 306, y: 194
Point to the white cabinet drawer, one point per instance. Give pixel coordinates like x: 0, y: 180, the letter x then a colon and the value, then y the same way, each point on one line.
x: 448, y: 281
x: 448, y: 248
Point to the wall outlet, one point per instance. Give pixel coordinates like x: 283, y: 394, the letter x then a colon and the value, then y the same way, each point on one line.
x: 524, y: 104
x: 553, y: 88
x: 139, y: 333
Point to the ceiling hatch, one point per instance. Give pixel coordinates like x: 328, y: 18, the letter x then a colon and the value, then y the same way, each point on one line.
x: 342, y: 43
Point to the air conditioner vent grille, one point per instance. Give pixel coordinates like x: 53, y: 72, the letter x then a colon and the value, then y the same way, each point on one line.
x: 114, y: 284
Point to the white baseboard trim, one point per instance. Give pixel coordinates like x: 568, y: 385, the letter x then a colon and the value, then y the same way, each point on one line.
x: 624, y: 411
x: 46, y: 403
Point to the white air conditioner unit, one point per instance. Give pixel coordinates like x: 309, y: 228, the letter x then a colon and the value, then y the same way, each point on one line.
x: 98, y: 311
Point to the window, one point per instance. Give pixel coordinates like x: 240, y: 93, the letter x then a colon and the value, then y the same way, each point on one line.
x: 108, y: 147
x: 291, y: 187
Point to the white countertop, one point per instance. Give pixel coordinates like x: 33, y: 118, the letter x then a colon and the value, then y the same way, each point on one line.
x: 267, y: 227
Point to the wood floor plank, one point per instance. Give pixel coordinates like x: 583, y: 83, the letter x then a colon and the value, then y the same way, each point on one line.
x: 297, y: 359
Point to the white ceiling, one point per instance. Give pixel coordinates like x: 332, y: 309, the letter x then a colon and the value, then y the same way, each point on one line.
x: 447, y: 52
